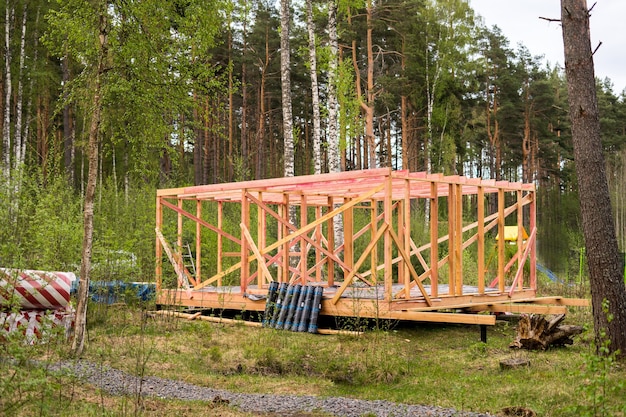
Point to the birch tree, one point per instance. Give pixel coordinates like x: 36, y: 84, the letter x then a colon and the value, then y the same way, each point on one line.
x: 19, y: 158
x: 6, y: 126
x: 78, y: 343
x: 285, y: 82
x: 315, y: 96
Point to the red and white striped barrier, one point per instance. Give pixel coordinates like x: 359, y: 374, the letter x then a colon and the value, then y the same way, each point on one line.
x: 35, y: 290
x: 35, y: 325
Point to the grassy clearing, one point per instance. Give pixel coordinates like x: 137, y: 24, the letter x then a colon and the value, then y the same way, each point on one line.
x: 443, y: 365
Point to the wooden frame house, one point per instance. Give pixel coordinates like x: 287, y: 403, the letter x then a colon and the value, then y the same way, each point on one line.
x: 415, y: 246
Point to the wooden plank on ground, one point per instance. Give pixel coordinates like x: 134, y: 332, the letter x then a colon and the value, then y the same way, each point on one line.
x: 520, y: 308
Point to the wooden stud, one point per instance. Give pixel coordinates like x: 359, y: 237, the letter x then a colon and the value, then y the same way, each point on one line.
x: 198, y: 277
x: 520, y: 236
x: 387, y: 209
x: 348, y: 235
x: 245, y: 223
x: 303, y: 248
x: 373, y: 231
x: 179, y: 233
x: 533, y: 248
x: 159, y: 248
x: 318, y: 240
x: 481, y: 240
x: 434, y: 238
x: 330, y: 231
x: 501, y: 241
x: 220, y: 243
x: 458, y: 250
x: 451, y: 240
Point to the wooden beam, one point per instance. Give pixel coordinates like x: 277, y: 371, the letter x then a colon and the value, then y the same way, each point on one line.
x: 198, y: 276
x: 481, y: 240
x: 259, y: 258
x: 434, y: 237
x: 407, y: 260
x: 572, y: 302
x: 176, y: 261
x: 520, y: 308
x: 348, y: 280
x: 157, y: 245
x: 501, y: 241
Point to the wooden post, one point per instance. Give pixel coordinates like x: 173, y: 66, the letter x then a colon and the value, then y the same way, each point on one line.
x: 318, y: 240
x: 533, y: 249
x: 348, y: 236
x: 286, y: 246
x: 481, y: 240
x: 501, y: 241
x: 198, y: 242
x: 388, y: 207
x: 261, y: 240
x: 406, y: 231
x: 157, y: 244
x: 520, y: 235
x: 458, y: 240
x: 402, y: 267
x: 330, y: 229
x: 245, y: 220
x: 303, y: 247
x: 220, y: 242
x: 434, y: 237
x: 374, y: 230
x: 451, y: 240
x: 179, y: 235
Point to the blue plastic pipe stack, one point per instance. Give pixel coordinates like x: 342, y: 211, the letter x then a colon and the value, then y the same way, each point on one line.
x: 293, y: 307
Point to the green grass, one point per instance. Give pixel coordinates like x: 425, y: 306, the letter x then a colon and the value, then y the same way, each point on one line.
x: 434, y: 364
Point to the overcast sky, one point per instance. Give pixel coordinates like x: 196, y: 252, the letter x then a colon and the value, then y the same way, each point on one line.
x: 520, y: 23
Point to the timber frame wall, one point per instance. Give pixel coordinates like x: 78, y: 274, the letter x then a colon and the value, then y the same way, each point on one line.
x: 381, y: 270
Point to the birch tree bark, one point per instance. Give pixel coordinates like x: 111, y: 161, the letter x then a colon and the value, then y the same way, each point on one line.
x: 606, y: 276
x: 333, y: 108
x: 17, y: 146
x: 285, y: 80
x: 85, y: 267
x: 6, y: 127
x: 315, y: 96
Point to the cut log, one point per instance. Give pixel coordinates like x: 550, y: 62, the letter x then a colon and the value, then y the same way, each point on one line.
x: 513, y: 363
x: 535, y: 332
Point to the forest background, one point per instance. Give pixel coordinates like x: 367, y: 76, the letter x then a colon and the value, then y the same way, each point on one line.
x: 191, y: 94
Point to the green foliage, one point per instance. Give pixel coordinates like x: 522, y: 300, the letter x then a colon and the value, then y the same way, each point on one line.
x: 599, y: 389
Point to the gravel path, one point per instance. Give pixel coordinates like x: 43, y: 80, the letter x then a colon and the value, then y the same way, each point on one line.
x: 116, y: 382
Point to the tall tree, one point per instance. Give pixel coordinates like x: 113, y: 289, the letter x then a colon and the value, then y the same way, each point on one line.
x: 285, y: 78
x: 6, y: 126
x: 315, y: 96
x: 606, y: 274
x: 78, y: 343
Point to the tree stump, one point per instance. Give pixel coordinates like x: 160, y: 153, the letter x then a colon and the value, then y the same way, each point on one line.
x: 513, y: 363
x: 535, y: 332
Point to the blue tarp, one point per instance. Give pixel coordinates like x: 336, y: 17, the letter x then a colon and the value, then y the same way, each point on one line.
x: 109, y: 292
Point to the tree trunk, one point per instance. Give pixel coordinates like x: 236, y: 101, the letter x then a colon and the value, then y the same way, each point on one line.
x: 6, y: 127
x: 369, y: 107
x: 285, y: 74
x: 198, y: 142
x: 260, y: 142
x: 68, y: 132
x: 333, y: 108
x: 17, y: 147
x: 315, y: 96
x: 606, y: 275
x: 83, y: 290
